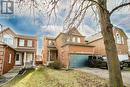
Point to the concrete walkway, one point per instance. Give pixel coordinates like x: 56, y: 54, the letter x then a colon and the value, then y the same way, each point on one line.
x: 10, y: 75
x: 103, y: 73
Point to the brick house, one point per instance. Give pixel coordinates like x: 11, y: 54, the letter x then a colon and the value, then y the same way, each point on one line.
x: 16, y: 50
x: 7, y: 58
x: 70, y: 48
x: 120, y: 40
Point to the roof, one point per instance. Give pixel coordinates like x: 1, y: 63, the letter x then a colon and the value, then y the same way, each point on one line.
x: 94, y: 37
x: 50, y: 38
x: 78, y: 44
x: 27, y: 36
x: 7, y: 29
x: 98, y: 35
x: 25, y: 49
x: 72, y: 31
x: 4, y: 44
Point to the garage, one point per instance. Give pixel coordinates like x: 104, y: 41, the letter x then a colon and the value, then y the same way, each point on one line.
x: 78, y: 60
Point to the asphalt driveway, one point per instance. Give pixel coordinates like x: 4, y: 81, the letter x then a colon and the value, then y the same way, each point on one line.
x: 103, y: 73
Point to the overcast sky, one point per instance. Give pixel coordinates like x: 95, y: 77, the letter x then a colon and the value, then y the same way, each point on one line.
x: 23, y: 20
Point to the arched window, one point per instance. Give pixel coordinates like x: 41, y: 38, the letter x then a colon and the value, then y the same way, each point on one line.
x: 73, y: 39
x: 78, y: 40
x: 118, y: 38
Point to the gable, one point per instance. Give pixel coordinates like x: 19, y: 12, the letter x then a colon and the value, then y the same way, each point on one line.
x: 74, y: 31
x: 8, y: 31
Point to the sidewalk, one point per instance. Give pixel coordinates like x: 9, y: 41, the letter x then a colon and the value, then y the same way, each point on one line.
x: 10, y: 75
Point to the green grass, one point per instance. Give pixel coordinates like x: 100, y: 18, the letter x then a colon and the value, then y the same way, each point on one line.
x: 45, y: 77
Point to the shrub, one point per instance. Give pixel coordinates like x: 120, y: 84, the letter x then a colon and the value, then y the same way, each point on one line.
x: 55, y: 65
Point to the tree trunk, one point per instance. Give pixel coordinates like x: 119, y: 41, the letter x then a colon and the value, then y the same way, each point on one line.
x: 115, y: 78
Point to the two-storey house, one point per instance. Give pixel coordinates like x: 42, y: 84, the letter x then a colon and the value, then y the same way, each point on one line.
x: 70, y: 48
x: 120, y: 41
x: 16, y: 50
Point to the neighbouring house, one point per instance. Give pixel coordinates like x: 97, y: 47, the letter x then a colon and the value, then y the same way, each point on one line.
x: 16, y: 50
x: 7, y: 58
x: 70, y: 48
x: 120, y: 40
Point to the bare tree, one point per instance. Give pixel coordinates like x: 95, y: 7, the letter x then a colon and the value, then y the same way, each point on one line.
x: 74, y: 18
x: 104, y: 14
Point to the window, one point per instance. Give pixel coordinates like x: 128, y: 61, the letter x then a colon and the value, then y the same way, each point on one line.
x: 78, y: 40
x: 68, y: 39
x: 73, y: 39
x: 49, y: 42
x: 21, y: 42
x: 29, y: 44
x: 118, y: 38
x: 122, y: 40
x: 8, y: 39
x: 9, y: 58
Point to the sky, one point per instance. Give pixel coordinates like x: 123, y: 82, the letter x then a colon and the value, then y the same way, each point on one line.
x: 25, y: 22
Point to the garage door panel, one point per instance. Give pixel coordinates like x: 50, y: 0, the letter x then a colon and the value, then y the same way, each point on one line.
x: 77, y: 60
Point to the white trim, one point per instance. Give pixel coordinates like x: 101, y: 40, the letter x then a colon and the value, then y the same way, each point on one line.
x: 10, y: 58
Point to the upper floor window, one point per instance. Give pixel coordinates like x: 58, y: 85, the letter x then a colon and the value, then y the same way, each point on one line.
x: 73, y: 39
x: 29, y: 44
x: 123, y: 41
x: 68, y: 39
x: 8, y: 39
x: 118, y: 38
x: 51, y: 42
x: 21, y: 42
x: 78, y: 40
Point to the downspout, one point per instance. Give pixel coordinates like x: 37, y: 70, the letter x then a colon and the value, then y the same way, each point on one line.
x: 68, y: 58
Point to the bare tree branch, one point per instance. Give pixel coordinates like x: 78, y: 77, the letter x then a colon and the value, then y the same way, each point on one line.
x: 120, y: 6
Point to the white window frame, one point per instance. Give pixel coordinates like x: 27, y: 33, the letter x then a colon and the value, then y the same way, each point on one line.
x: 123, y: 40
x: 49, y: 42
x: 68, y: 39
x: 8, y: 39
x: 23, y: 43
x: 118, y: 38
x: 29, y: 43
x: 10, y: 55
x: 78, y: 39
x: 73, y: 39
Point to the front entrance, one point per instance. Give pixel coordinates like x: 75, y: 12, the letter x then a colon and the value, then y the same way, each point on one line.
x: 18, y: 59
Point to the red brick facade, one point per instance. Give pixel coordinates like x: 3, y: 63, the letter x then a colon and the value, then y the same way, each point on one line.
x: 121, y: 44
x: 68, y: 43
x: 5, y: 63
x: 7, y: 66
x: 34, y: 42
x: 65, y: 44
x: 10, y: 51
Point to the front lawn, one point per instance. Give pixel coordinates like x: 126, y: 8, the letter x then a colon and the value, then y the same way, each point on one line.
x: 45, y: 77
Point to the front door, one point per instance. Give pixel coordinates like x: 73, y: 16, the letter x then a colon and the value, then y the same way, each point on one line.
x: 18, y: 59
